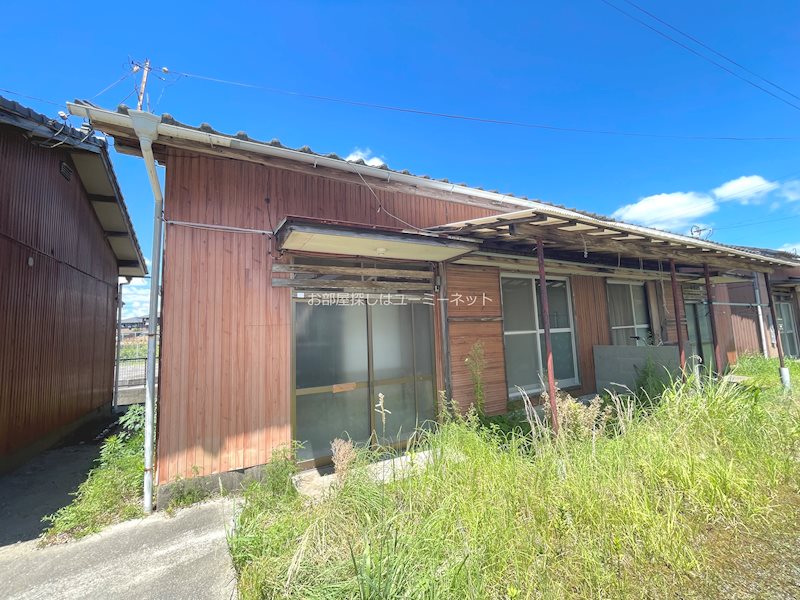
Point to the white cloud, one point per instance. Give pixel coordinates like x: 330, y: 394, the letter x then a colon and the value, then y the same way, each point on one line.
x: 136, y: 294
x: 746, y: 189
x: 792, y: 248
x: 675, y: 210
x: 366, y: 156
x: 791, y: 190
x: 135, y: 297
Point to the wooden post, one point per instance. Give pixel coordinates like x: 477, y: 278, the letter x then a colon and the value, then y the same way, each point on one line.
x: 714, y: 336
x: 548, y: 345
x: 781, y: 360
x: 678, y: 304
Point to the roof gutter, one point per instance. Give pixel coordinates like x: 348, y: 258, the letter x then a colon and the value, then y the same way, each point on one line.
x: 99, y: 117
x: 145, y: 125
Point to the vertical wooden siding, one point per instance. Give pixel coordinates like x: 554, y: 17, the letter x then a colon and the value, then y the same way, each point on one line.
x: 472, y: 319
x: 723, y: 315
x: 225, y: 397
x: 590, y: 302
x: 56, y: 316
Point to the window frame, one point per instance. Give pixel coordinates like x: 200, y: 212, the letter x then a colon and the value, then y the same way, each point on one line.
x: 538, y: 333
x: 635, y: 326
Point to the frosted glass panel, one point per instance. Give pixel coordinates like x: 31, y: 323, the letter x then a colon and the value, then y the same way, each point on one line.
x: 623, y: 337
x: 323, y: 417
x: 517, y: 304
x: 399, y: 401
x: 330, y: 345
x: 639, y: 304
x: 522, y: 362
x: 563, y: 365
x: 559, y: 304
x: 423, y: 339
x: 426, y: 401
x: 392, y: 344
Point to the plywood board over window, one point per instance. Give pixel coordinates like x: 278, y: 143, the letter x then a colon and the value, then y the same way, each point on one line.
x: 475, y: 315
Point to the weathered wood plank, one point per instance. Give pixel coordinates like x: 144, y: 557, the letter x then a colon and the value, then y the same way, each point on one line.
x: 363, y: 272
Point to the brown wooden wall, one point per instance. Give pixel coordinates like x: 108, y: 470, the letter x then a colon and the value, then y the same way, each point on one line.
x: 225, y: 397
x: 744, y: 319
x: 590, y: 305
x: 723, y: 316
x: 57, y: 315
x: 471, y: 322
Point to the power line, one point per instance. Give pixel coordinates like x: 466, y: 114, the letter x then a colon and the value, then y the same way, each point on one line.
x: 113, y: 85
x: 710, y: 49
x: 700, y: 54
x: 476, y: 119
x: 5, y: 91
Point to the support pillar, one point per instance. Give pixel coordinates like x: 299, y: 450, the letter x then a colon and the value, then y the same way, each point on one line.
x: 784, y: 371
x: 678, y: 304
x: 548, y: 345
x: 713, y: 318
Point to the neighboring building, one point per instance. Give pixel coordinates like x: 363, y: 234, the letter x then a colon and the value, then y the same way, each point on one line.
x: 135, y: 323
x: 298, y: 287
x: 65, y: 237
x: 754, y: 332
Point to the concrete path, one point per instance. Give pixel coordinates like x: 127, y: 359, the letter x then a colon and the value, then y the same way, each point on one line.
x: 185, y: 556
x: 40, y: 487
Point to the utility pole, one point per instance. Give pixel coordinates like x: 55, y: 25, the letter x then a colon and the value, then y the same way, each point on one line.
x: 145, y: 71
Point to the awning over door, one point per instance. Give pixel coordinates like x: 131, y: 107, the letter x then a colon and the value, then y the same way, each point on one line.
x: 349, y: 239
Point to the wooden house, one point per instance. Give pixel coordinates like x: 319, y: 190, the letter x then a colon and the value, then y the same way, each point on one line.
x: 301, y: 290
x: 65, y: 238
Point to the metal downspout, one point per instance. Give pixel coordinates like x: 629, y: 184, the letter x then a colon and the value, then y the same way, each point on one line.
x: 146, y: 127
x: 783, y: 369
x: 678, y: 306
x: 762, y: 335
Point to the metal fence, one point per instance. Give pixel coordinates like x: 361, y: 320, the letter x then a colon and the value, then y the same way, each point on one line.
x: 131, y: 367
x: 132, y: 371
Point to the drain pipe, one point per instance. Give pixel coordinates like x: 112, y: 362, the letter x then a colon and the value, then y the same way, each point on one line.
x: 760, y: 313
x: 146, y: 127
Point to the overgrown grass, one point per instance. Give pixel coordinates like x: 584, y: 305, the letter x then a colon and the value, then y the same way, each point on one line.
x: 111, y: 493
x: 764, y: 373
x: 113, y: 490
x: 499, y: 512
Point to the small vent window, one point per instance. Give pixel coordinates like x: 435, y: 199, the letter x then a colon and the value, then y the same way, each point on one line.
x: 66, y: 170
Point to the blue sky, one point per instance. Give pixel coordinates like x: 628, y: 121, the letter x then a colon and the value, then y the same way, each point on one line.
x: 577, y: 64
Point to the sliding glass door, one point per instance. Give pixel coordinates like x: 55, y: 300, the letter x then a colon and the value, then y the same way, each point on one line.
x: 345, y: 357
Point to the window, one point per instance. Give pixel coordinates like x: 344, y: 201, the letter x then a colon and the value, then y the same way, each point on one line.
x: 524, y: 336
x: 786, y: 326
x: 628, y: 314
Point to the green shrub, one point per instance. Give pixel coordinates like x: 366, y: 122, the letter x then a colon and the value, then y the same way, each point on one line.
x: 132, y: 422
x: 111, y: 493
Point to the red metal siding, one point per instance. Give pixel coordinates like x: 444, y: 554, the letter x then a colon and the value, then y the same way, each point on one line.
x: 56, y: 315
